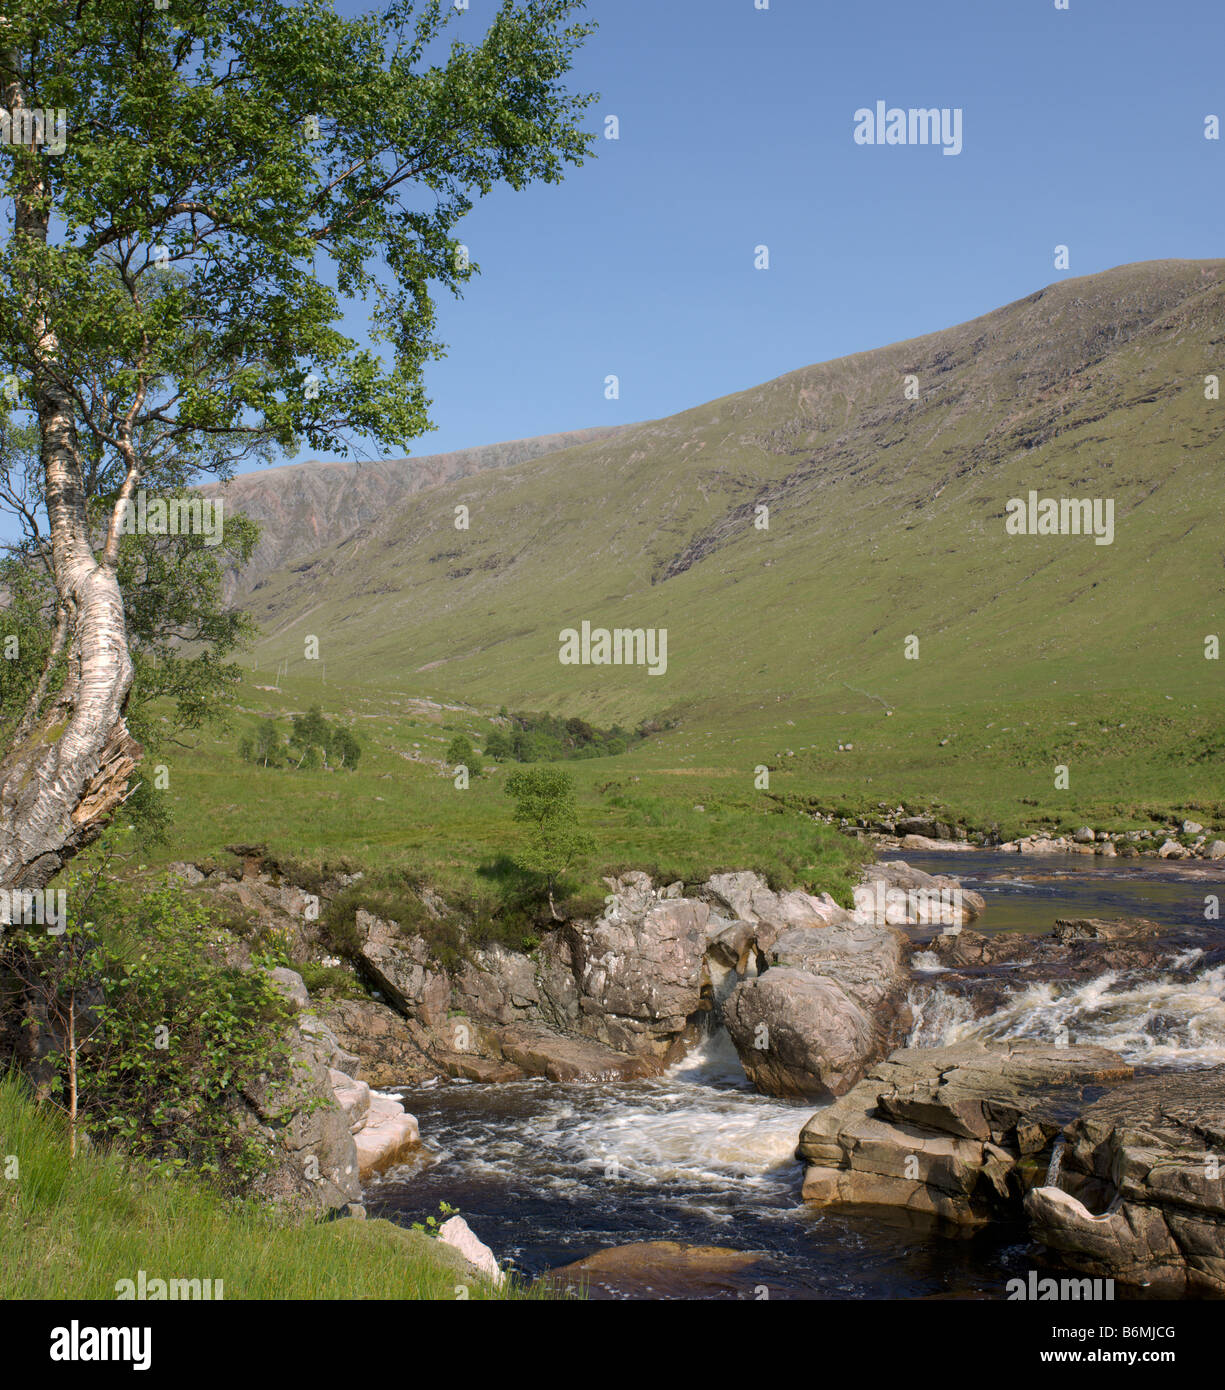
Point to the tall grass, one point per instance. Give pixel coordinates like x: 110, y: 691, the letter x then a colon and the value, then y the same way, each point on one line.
x: 73, y: 1229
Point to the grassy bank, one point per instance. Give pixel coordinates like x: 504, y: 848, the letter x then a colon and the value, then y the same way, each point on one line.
x: 73, y: 1229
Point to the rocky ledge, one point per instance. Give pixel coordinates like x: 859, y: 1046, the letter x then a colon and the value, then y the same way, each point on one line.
x: 1138, y: 1191
x: 956, y: 1132
x: 1116, y: 1177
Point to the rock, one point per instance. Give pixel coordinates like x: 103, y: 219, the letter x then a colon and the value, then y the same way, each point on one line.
x: 538, y: 1052
x: 397, y: 965
x: 1084, y: 836
x: 1214, y: 849
x: 1171, y: 849
x: 892, y: 893
x: 917, y: 825
x: 384, y: 1049
x: 187, y: 872
x: 330, y: 1052
x: 456, y: 1233
x: 1107, y: 851
x: 386, y: 1132
x: 1099, y: 929
x: 659, y: 1269
x: 640, y: 973
x: 291, y: 985
x: 1139, y: 1195
x: 922, y: 842
x: 1191, y: 827
x: 955, y: 1132
x: 827, y: 1007
x: 353, y: 1097
x: 297, y: 1114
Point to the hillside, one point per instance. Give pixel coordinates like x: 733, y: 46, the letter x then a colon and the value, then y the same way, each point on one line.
x: 303, y: 506
x: 886, y: 518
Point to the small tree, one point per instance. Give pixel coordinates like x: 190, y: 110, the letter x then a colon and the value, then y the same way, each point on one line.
x: 346, y: 747
x: 544, y: 801
x: 460, y: 750
x: 267, y: 743
x: 311, y: 730
x: 497, y: 746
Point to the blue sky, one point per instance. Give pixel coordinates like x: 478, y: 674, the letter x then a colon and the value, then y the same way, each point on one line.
x: 1082, y: 127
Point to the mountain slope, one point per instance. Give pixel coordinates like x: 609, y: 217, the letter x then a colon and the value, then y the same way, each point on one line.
x: 886, y: 519
x: 301, y: 507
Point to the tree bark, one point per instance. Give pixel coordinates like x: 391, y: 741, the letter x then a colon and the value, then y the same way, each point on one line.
x: 67, y: 774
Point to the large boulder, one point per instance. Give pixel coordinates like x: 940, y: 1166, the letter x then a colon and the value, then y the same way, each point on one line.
x: 954, y: 1132
x: 893, y: 893
x: 829, y: 1004
x: 1139, y: 1191
x: 640, y: 973
x: 456, y: 1233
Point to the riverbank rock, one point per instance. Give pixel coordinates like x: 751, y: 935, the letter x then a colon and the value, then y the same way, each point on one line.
x: 1140, y: 1191
x: 829, y: 1004
x: 1101, y: 929
x: 456, y: 1233
x: 297, y: 1114
x: 953, y: 1132
x: 397, y: 964
x: 537, y: 1052
x: 385, y: 1130
x: 895, y: 894
x: 381, y: 1046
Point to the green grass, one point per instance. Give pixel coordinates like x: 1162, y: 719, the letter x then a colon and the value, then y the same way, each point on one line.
x: 397, y: 814
x: 73, y: 1229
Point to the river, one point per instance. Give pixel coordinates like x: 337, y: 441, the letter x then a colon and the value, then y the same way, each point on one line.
x: 546, y: 1173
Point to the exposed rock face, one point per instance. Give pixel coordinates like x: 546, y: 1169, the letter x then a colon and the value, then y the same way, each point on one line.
x: 295, y: 1111
x: 640, y: 973
x: 298, y: 1114
x: 829, y: 1005
x: 385, y: 1048
x: 398, y: 966
x: 955, y: 1132
x: 1140, y: 1194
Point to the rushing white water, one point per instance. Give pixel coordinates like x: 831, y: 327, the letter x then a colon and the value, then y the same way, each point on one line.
x: 699, y: 1124
x: 1177, y: 1020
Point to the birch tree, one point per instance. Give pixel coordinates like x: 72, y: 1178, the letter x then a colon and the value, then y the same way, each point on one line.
x: 180, y: 250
